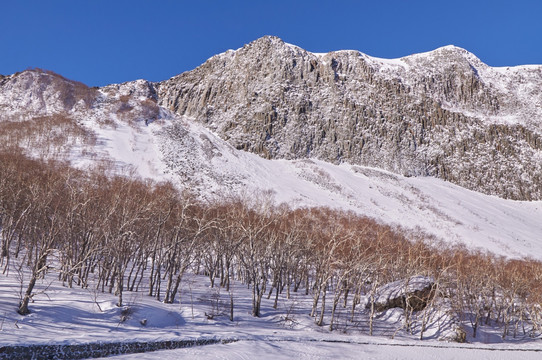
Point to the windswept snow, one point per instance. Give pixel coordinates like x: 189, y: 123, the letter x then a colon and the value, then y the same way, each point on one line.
x: 191, y: 156
x: 213, y: 168
x: 61, y: 315
x: 130, y: 147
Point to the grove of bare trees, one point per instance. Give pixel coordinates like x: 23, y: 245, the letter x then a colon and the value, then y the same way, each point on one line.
x: 118, y: 234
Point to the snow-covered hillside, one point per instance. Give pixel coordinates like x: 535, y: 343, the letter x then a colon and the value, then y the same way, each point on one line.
x: 265, y: 133
x: 124, y: 126
x: 439, y: 208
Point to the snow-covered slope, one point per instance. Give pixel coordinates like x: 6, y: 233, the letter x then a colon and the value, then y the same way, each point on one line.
x: 212, y: 167
x: 63, y: 316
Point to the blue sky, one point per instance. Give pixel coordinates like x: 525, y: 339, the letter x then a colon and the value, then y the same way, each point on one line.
x: 100, y: 42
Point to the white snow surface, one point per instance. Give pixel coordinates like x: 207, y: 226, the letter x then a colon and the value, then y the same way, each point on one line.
x: 200, y: 160
x: 186, y: 153
x: 325, y: 350
x: 60, y: 315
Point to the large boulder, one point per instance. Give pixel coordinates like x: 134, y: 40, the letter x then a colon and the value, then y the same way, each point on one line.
x: 414, y: 293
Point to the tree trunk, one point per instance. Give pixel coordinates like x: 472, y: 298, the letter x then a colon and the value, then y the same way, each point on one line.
x: 231, y: 306
x: 23, y: 306
x: 120, y: 285
x: 323, y: 309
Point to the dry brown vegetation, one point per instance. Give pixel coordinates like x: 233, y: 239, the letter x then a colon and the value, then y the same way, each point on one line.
x: 72, y: 91
x: 118, y: 234
x: 45, y: 137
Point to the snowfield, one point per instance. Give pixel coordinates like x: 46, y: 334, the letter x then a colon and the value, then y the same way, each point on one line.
x: 299, y: 349
x: 198, y: 159
x: 76, y: 316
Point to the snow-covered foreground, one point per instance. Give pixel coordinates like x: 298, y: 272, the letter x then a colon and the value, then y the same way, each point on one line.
x: 333, y: 350
x: 77, y: 316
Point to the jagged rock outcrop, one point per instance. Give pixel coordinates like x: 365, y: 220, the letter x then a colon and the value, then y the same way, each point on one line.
x: 442, y: 114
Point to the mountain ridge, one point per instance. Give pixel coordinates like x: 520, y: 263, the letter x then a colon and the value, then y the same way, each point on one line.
x: 440, y: 114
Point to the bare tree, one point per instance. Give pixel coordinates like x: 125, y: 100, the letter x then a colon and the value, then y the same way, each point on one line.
x: 45, y: 227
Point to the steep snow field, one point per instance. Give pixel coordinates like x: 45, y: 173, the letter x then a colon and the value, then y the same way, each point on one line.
x: 195, y: 158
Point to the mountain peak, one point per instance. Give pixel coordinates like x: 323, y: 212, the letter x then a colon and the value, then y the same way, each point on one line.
x: 268, y: 39
x: 269, y: 44
x: 451, y: 47
x: 451, y: 53
x: 280, y: 101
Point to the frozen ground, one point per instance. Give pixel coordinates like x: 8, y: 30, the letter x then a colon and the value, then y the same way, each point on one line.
x: 332, y: 350
x: 76, y: 316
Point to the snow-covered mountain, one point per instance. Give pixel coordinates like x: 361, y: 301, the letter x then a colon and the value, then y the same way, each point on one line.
x: 443, y: 113
x: 341, y: 129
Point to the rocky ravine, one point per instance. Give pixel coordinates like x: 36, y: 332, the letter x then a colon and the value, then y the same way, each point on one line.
x: 443, y: 113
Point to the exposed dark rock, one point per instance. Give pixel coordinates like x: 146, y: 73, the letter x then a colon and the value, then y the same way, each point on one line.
x: 95, y: 350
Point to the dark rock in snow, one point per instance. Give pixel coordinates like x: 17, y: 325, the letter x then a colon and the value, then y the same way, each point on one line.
x: 413, y: 293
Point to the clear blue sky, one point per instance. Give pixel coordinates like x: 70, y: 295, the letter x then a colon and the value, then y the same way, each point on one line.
x: 100, y: 42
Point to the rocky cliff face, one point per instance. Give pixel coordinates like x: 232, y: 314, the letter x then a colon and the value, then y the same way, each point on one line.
x: 443, y: 113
